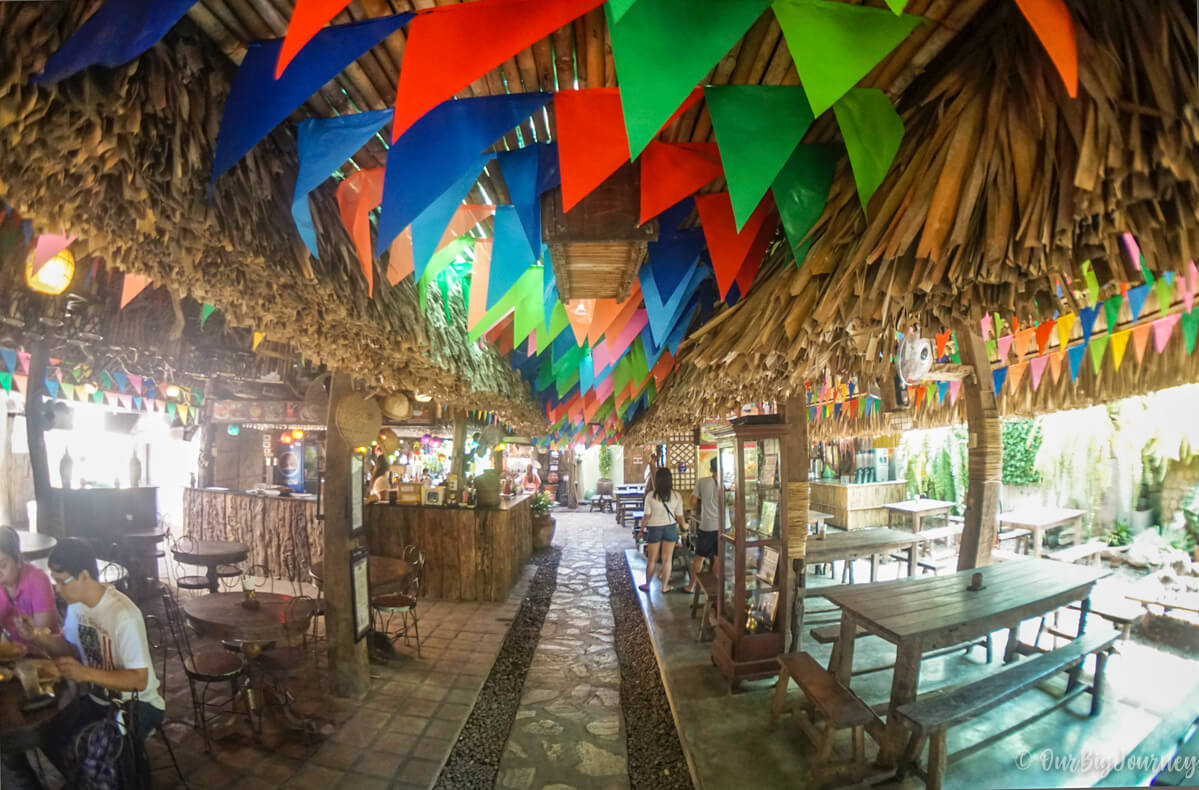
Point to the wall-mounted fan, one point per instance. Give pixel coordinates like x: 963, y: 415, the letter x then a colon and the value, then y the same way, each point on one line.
x: 914, y: 358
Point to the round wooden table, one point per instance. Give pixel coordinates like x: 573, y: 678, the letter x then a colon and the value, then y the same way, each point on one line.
x: 209, y: 554
x: 386, y: 574
x: 223, y: 616
x: 20, y: 731
x: 34, y: 545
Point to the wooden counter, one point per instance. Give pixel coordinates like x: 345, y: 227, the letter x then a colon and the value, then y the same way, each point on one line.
x: 470, y: 554
x: 856, y: 505
x: 269, y: 525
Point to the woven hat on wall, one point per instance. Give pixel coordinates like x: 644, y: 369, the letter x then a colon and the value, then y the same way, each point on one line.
x: 397, y: 406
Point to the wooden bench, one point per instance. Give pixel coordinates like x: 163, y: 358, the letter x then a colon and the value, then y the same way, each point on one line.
x: 925, y: 565
x: 831, y: 635
x: 707, y: 584
x: 1018, y: 534
x: 837, y: 707
x: 1091, y: 551
x: 931, y: 717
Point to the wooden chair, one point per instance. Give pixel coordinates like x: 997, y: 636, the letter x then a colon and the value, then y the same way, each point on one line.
x: 705, y: 583
x: 827, y: 707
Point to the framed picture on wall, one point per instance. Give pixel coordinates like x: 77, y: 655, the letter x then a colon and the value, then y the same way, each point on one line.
x: 360, y: 585
x: 356, y: 494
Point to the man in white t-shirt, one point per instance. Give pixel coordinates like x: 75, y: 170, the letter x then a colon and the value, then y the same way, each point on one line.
x: 707, y: 494
x: 106, y: 630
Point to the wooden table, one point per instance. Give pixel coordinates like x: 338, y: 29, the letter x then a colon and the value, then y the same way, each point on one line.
x: 20, y: 731
x: 222, y: 616
x: 386, y: 574
x: 921, y: 614
x: 209, y: 554
x: 34, y: 545
x: 847, y: 545
x: 918, y: 510
x: 818, y: 518
x: 1041, y: 520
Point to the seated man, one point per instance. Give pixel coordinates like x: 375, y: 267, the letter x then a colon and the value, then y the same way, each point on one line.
x: 106, y: 630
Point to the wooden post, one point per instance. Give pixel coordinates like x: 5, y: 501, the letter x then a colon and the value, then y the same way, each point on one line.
x: 795, y: 453
x: 458, y: 467
x: 986, y: 451
x: 35, y: 428
x: 349, y: 665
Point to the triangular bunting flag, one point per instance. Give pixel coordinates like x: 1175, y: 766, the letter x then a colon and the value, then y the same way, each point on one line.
x: 444, y: 144
x: 482, y: 35
x: 322, y: 146
x: 1119, y: 344
x: 1036, y: 366
x: 1050, y: 20
x: 984, y: 325
x: 1164, y: 288
x: 20, y: 382
x: 671, y: 172
x: 664, y: 48
x: 68, y: 390
x: 132, y: 285
x: 1065, y: 324
x: 872, y: 131
x: 1015, y: 375
x: 1098, y: 345
x: 47, y: 246
x: 121, y: 380
x: 258, y: 338
x: 580, y: 312
x: 1111, y: 311
x: 136, y: 383
x: 1086, y: 319
x: 1021, y: 341
x: 1190, y: 325
x: 528, y: 173
x: 479, y: 275
x: 1075, y: 355
x: 446, y: 218
x: 1055, y: 365
x: 1136, y: 300
x: 1088, y: 275
x: 997, y: 377
x: 206, y: 311
x: 1162, y: 329
x: 171, y: 408
x: 729, y: 249
x: 1140, y: 340
x: 137, y: 403
x: 1043, y: 332
x: 801, y: 192
x: 836, y: 44
x: 757, y: 128
x: 10, y: 359
x: 256, y: 103
x: 942, y: 392
x: 357, y: 197
x: 51, y: 387
x: 1003, y: 347
x: 510, y: 255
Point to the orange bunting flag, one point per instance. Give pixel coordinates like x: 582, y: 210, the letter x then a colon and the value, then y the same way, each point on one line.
x: 729, y: 249
x: 1044, y: 331
x: 942, y: 342
x: 1050, y: 20
x: 132, y: 285
x: 1119, y: 344
x: 1021, y: 341
x: 919, y: 396
x: 479, y: 274
x: 481, y: 36
x: 1055, y: 364
x: 580, y: 313
x: 1014, y: 375
x: 1064, y: 324
x: 400, y: 259
x: 357, y: 196
x: 592, y: 144
x: 1140, y: 339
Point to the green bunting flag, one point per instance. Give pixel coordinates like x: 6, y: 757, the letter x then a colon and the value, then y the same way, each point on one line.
x: 1088, y: 275
x: 1111, y: 311
x: 664, y: 48
x: 1164, y: 288
x: 896, y: 6
x: 801, y: 191
x: 1098, y: 345
x: 617, y: 8
x: 757, y: 127
x: 836, y: 44
x: 441, y: 259
x: 1190, y: 327
x: 529, y: 313
x: 6, y: 381
x: 872, y: 131
x: 205, y: 312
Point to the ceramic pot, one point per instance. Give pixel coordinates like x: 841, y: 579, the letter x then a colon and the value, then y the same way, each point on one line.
x: 543, y: 531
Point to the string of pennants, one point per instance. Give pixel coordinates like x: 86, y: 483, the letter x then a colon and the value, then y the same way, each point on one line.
x: 67, y: 381
x: 662, y: 50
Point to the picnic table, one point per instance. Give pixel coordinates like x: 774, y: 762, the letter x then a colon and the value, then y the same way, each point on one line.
x: 922, y: 614
x: 918, y: 510
x: 1040, y: 520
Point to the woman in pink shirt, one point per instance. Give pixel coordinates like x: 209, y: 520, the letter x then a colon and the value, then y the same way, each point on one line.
x: 27, y: 599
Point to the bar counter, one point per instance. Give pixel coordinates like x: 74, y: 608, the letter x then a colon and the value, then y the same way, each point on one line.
x: 283, y: 533
x: 856, y: 505
x: 470, y: 554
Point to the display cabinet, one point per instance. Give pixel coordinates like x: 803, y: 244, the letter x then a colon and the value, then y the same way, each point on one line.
x: 752, y: 571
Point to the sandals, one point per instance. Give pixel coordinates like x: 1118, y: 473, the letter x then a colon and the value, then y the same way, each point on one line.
x: 643, y: 587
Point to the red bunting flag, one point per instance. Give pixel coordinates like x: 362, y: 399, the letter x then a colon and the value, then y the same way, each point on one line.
x: 729, y: 249
x: 1044, y: 331
x: 357, y: 196
x: 480, y: 35
x: 132, y: 285
x: 1050, y: 20
x: 673, y: 171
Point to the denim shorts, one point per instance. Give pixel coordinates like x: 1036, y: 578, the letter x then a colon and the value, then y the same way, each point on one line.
x: 669, y: 534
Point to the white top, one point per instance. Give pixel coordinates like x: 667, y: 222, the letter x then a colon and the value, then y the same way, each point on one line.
x: 112, y: 635
x: 380, y: 487
x: 709, y: 508
x: 655, y: 510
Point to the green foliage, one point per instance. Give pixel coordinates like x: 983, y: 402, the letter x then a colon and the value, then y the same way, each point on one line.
x: 1021, y: 441
x: 1190, y: 513
x: 1121, y: 534
x: 605, y: 461
x: 936, y: 465
x: 541, y: 504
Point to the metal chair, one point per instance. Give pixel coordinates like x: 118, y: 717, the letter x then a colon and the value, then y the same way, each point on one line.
x: 388, y: 607
x: 183, y: 580
x: 205, y: 666
x: 156, y: 638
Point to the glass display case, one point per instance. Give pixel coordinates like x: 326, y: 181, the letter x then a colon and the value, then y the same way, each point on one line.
x: 752, y: 572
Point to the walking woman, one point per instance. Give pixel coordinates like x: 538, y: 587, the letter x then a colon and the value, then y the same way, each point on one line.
x: 663, y: 517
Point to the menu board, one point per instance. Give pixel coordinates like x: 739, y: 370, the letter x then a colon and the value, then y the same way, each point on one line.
x: 768, y: 569
x: 767, y: 521
x: 360, y: 582
x: 770, y: 467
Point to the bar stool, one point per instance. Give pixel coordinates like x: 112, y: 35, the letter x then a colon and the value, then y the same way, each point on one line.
x: 402, y: 604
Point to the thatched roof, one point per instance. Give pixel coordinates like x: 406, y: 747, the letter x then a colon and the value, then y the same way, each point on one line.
x: 122, y: 157
x: 1003, y: 186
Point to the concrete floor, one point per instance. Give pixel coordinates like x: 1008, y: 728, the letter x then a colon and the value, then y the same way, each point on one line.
x: 729, y: 743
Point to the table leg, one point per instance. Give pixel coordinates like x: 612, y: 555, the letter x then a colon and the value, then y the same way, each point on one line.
x: 844, y: 652
x: 799, y: 582
x: 1083, y: 608
x: 1078, y: 531
x: 903, y: 691
x: 911, y: 560
x: 1036, y: 542
x: 873, y: 568
x: 213, y: 585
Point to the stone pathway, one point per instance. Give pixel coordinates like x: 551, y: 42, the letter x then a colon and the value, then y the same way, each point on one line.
x: 569, y: 731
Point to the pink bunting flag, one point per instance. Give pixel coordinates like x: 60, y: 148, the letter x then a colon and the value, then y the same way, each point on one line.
x: 954, y: 388
x: 23, y: 361
x: 1036, y: 366
x: 47, y: 246
x: 985, y: 325
x: 1188, y: 284
x: 1162, y: 329
x: 1004, y: 345
x: 136, y: 383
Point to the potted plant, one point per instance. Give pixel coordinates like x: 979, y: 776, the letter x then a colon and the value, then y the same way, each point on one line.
x: 543, y: 522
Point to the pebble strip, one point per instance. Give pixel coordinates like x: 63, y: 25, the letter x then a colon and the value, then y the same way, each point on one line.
x: 475, y: 759
x: 656, y: 760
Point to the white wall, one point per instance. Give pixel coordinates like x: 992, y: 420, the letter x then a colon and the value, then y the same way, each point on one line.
x: 589, y: 474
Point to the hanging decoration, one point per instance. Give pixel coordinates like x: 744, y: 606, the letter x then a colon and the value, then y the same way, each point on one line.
x: 131, y: 286
x: 729, y: 249
x: 1050, y: 20
x: 801, y: 192
x: 672, y: 172
x: 357, y: 197
x: 872, y: 131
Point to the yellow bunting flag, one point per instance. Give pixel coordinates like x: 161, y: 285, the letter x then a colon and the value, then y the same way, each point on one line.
x: 1119, y: 344
x: 258, y: 338
x: 1064, y: 325
x: 182, y: 410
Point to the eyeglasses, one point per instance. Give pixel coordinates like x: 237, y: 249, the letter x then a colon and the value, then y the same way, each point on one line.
x: 65, y: 581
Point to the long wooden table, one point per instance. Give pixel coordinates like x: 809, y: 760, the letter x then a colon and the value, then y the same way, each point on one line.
x: 922, y: 614
x: 1041, y: 520
x: 918, y: 510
